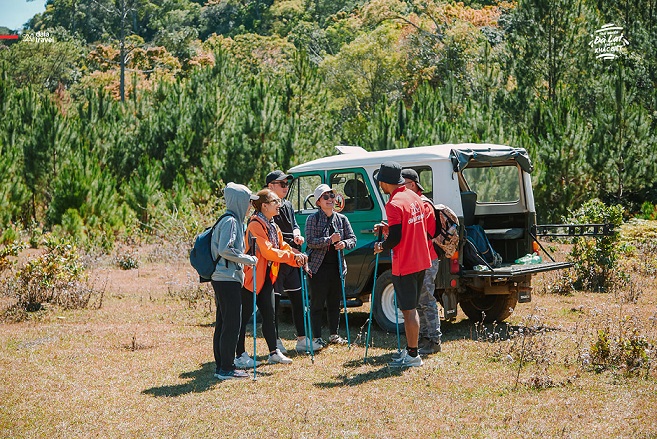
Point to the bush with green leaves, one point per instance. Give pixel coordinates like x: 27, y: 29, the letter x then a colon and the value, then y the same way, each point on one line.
x: 596, y: 258
x: 56, y: 277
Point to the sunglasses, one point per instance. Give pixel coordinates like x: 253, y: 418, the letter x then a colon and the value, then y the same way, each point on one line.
x: 276, y: 201
x: 328, y: 196
x: 282, y: 183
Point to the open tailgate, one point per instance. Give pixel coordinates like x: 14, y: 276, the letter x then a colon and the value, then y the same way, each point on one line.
x: 513, y: 270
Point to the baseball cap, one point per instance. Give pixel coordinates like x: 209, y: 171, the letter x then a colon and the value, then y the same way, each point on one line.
x: 277, y: 175
x: 412, y: 175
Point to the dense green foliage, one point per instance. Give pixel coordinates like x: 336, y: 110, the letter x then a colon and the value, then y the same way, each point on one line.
x: 227, y: 90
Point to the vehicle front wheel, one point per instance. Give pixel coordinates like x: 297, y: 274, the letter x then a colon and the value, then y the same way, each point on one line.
x: 492, y: 308
x: 384, y: 304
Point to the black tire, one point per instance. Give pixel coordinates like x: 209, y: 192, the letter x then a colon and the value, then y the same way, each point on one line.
x: 384, y: 304
x: 494, y: 308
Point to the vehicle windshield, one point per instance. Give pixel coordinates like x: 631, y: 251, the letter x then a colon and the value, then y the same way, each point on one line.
x: 498, y: 184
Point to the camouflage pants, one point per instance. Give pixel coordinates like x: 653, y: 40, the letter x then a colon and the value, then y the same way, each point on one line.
x: 427, y: 307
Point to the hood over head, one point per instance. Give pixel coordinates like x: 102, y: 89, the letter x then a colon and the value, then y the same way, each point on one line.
x: 238, y: 198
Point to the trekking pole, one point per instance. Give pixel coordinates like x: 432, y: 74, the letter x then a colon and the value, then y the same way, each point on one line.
x: 305, y: 311
x: 344, y: 296
x: 255, y: 289
x: 397, y: 322
x: 309, y: 333
x: 369, y: 322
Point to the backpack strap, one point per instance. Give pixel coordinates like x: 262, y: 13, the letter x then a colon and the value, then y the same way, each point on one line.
x: 214, y: 227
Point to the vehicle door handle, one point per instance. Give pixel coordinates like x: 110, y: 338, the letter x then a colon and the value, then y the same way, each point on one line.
x: 367, y: 231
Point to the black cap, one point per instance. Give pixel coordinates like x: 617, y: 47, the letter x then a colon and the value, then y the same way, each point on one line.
x: 412, y: 175
x: 277, y: 175
x: 390, y: 172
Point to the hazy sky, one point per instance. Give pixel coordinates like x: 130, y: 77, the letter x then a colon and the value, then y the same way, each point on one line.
x: 14, y: 13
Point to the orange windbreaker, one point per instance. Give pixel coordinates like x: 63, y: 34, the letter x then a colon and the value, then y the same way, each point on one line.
x: 266, y: 253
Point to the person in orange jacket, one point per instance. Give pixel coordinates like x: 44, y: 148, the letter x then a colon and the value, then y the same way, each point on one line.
x: 271, y: 250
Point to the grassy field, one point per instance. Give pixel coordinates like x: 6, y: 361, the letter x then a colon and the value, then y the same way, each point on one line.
x: 141, y: 366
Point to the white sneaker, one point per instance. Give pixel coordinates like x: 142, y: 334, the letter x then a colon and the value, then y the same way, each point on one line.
x: 301, y: 345
x: 244, y: 361
x: 279, y: 357
x: 336, y: 339
x: 406, y: 360
x: 279, y: 346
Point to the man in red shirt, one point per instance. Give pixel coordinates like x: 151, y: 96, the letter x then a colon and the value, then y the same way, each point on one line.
x: 427, y: 308
x: 406, y: 236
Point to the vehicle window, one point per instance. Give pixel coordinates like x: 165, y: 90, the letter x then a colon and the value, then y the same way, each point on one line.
x: 302, y: 191
x: 426, y: 180
x: 352, y: 185
x: 500, y: 184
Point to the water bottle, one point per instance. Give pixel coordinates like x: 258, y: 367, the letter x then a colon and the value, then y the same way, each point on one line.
x: 524, y: 260
x: 451, y: 230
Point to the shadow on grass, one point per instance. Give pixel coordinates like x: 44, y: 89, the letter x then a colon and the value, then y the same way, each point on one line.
x: 383, y: 372
x: 201, y: 380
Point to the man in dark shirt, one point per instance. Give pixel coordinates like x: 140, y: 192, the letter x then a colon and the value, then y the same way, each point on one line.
x: 289, y: 278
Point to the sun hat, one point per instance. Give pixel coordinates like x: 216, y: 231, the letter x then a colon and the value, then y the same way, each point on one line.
x: 390, y: 172
x: 412, y: 175
x: 321, y: 190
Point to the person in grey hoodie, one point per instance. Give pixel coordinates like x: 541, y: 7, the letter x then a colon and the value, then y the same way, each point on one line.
x: 227, y: 279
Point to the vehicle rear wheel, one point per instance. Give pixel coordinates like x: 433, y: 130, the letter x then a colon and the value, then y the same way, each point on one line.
x: 384, y: 304
x: 493, y: 308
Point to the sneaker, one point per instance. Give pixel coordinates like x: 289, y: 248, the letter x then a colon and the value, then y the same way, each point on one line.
x: 427, y: 347
x: 279, y: 357
x: 336, y: 339
x: 231, y: 375
x: 301, y: 345
x: 279, y: 346
x: 321, y: 341
x: 244, y: 361
x: 406, y: 360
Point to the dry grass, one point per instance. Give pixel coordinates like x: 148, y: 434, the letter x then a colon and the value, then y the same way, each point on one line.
x: 141, y: 366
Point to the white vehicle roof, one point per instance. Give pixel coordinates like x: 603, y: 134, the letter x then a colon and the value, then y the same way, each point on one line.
x: 357, y: 156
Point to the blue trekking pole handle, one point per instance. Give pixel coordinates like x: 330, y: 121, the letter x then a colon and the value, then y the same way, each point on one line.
x: 344, y: 296
x: 369, y: 322
x: 255, y: 289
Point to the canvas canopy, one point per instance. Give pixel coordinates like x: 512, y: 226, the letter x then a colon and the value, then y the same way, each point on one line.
x: 462, y: 157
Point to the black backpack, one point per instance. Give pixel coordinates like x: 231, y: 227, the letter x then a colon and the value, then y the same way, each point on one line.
x: 477, y: 249
x: 201, y: 255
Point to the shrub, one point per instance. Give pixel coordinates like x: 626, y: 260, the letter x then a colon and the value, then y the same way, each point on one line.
x: 56, y: 277
x: 127, y: 260
x: 596, y: 258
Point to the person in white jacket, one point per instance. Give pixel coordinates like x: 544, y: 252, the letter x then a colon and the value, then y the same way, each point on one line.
x: 228, y: 248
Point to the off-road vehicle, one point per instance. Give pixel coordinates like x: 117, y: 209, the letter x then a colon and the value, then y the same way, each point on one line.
x: 484, y: 184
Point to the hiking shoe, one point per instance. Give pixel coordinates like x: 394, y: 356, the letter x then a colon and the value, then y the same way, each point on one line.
x: 279, y: 346
x: 428, y: 347
x: 301, y: 345
x: 336, y: 339
x: 406, y: 360
x: 231, y: 375
x: 279, y: 357
x: 244, y: 361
